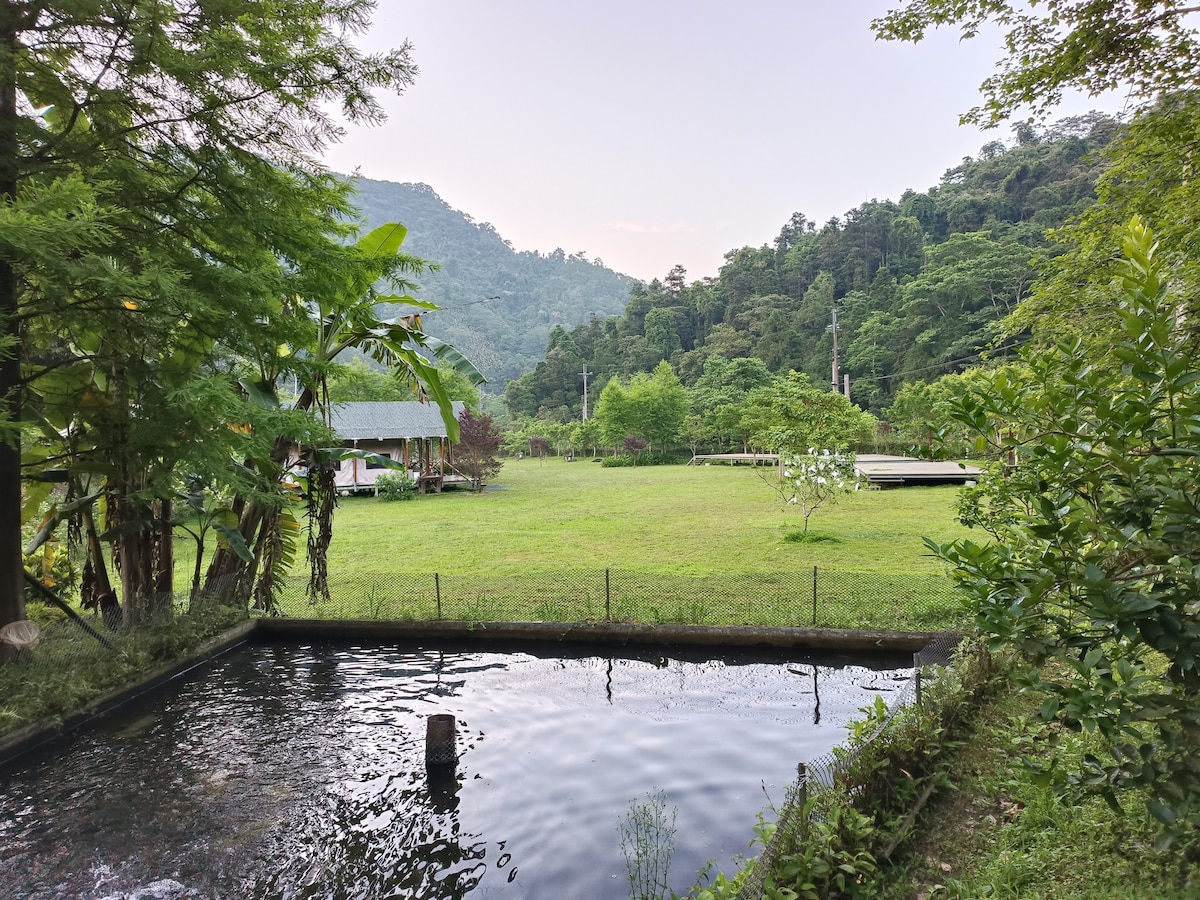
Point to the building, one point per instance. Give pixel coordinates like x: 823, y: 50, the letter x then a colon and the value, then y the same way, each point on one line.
x: 407, y: 432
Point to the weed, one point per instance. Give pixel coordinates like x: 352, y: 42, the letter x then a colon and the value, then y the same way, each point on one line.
x: 647, y: 842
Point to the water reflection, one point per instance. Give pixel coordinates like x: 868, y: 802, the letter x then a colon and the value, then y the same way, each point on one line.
x: 300, y: 772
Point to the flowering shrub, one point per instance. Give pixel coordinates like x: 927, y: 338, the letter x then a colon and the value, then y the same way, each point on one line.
x: 809, y: 481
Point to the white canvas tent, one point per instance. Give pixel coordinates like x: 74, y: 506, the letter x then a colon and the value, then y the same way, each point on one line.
x: 408, y: 432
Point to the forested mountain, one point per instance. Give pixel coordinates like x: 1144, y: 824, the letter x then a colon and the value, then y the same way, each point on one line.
x: 507, y: 335
x: 919, y: 285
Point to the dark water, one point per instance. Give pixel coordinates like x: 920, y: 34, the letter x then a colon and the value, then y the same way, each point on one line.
x: 298, y: 772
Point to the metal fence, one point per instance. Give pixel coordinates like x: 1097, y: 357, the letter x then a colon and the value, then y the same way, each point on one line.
x: 822, y: 598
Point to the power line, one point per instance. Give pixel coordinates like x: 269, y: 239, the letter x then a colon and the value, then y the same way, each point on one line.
x: 469, y: 303
x: 941, y: 365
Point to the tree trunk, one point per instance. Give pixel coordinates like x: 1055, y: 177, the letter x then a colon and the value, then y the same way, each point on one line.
x: 12, y: 565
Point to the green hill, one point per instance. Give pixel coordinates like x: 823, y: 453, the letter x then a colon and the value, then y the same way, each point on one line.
x: 533, y: 293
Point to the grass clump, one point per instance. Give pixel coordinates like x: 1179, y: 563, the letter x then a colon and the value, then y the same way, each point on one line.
x: 1002, y: 830
x: 69, y: 669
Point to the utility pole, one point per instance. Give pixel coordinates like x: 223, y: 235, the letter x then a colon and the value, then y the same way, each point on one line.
x: 585, y: 373
x: 837, y: 386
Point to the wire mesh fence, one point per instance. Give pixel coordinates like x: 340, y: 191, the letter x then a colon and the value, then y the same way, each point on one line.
x: 822, y: 598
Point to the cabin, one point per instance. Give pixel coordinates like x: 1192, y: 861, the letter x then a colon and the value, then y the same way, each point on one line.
x: 408, y: 432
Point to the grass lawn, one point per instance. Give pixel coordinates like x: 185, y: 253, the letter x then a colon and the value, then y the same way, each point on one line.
x: 558, y: 541
x: 686, y: 520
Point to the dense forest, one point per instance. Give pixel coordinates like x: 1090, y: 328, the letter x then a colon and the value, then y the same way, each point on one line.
x: 498, y: 304
x: 918, y: 286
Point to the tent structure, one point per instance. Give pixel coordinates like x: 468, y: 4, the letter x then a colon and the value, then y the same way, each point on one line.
x: 407, y: 432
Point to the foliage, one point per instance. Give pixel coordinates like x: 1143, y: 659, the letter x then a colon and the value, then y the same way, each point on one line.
x: 358, y: 381
x: 1005, y: 832
x: 922, y: 413
x: 649, y: 407
x: 1147, y: 48
x: 70, y: 669
x: 478, y: 442
x: 164, y: 235
x: 395, y: 486
x: 1094, y: 560
x: 811, y: 481
x: 647, y: 842
x: 790, y: 416
x: 636, y: 458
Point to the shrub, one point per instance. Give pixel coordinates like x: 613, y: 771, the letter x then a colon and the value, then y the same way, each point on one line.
x: 395, y: 486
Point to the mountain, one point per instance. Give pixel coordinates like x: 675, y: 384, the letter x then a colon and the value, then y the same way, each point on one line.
x: 533, y: 293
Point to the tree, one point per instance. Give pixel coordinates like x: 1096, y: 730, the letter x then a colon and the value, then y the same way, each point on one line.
x: 651, y: 407
x: 813, y: 480
x: 163, y: 146
x: 923, y: 413
x: 585, y: 436
x: 478, y: 442
x: 791, y: 417
x: 340, y: 316
x: 358, y: 381
x: 1148, y: 48
x: 1094, y: 557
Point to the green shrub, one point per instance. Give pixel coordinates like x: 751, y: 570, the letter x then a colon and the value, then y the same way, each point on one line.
x: 395, y: 486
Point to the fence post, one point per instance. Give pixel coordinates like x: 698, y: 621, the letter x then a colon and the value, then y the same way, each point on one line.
x: 437, y: 586
x: 607, y: 597
x: 917, y: 677
x: 802, y: 798
x: 814, y: 618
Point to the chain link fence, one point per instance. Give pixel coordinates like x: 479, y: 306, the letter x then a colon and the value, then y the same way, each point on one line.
x: 820, y: 598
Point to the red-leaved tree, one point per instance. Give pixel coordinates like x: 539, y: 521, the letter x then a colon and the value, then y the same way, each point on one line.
x: 478, y: 441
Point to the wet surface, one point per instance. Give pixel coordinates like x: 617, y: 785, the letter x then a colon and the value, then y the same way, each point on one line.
x: 299, y: 772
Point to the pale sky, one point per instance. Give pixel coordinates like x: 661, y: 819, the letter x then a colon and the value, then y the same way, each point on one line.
x: 650, y: 133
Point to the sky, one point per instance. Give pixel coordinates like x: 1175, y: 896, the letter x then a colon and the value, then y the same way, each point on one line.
x: 655, y: 133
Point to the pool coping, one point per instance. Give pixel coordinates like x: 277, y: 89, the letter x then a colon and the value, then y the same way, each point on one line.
x: 38, y: 734
x: 605, y: 633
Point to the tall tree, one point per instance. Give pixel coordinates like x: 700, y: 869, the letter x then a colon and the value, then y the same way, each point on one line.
x: 193, y: 123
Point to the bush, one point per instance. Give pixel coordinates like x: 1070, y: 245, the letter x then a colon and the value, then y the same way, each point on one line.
x: 395, y: 486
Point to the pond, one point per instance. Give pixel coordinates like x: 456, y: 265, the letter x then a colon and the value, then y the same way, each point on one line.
x: 281, y: 771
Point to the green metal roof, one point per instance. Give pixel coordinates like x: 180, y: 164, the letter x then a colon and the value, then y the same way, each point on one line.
x: 377, y: 420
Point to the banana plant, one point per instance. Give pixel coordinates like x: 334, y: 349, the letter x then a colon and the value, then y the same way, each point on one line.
x: 340, y: 306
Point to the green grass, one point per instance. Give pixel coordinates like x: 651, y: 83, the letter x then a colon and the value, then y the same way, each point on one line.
x: 576, y: 541
x: 679, y: 519
x: 999, y: 833
x: 70, y: 669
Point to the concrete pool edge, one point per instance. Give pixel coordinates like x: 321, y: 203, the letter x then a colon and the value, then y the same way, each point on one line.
x: 37, y: 734
x: 606, y: 632
x: 34, y: 735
